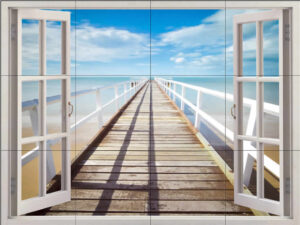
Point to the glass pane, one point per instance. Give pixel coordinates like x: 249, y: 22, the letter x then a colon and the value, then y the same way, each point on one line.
x: 54, y: 106
x: 54, y: 45
x: 271, y: 172
x: 30, y: 171
x: 249, y: 49
x: 271, y: 110
x: 30, y: 47
x: 249, y: 108
x: 54, y: 164
x: 30, y: 109
x: 271, y: 48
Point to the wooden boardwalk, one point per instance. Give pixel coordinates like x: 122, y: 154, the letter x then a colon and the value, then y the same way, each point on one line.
x: 149, y: 162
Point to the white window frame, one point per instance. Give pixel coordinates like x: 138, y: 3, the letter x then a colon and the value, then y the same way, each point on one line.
x: 174, y: 220
x: 242, y: 142
x: 44, y: 200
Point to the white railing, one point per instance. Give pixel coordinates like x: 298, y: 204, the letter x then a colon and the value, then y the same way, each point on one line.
x: 129, y: 89
x: 169, y: 86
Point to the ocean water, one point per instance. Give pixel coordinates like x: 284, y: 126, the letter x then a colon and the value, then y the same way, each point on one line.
x: 218, y: 83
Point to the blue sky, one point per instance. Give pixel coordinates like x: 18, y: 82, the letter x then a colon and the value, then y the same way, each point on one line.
x: 183, y: 42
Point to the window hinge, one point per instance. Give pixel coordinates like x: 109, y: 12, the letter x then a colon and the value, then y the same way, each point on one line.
x: 287, y: 32
x: 287, y: 185
x: 13, y: 31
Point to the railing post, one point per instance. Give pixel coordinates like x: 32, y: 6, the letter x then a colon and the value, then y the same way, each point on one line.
x: 51, y: 172
x: 248, y: 167
x: 182, y: 97
x: 116, y: 97
x: 130, y: 88
x: 197, y: 120
x: 34, y: 118
x: 125, y: 94
x: 248, y: 159
x: 174, y: 91
x: 99, y: 105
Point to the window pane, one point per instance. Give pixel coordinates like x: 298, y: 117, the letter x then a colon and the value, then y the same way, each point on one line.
x: 30, y: 170
x: 271, y: 48
x: 53, y: 49
x: 271, y: 110
x: 30, y: 47
x: 271, y: 172
x: 54, y: 106
x: 249, y: 49
x: 30, y: 109
x: 54, y: 161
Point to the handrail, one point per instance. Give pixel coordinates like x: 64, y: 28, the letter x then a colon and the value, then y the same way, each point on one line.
x: 26, y: 105
x: 229, y: 134
x: 134, y: 86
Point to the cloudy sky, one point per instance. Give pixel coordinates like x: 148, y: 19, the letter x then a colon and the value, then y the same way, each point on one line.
x: 167, y: 42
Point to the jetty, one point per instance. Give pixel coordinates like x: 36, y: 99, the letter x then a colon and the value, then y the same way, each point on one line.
x: 149, y: 160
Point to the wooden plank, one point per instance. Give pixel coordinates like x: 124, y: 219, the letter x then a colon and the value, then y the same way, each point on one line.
x: 182, y: 195
x: 146, y: 157
x: 166, y: 145
x: 195, y: 195
x: 146, y: 148
x: 160, y: 185
x: 161, y: 170
x: 146, y: 163
x: 157, y: 153
x: 146, y: 176
x: 153, y: 141
x: 196, y: 206
x: 116, y: 195
x: 103, y: 206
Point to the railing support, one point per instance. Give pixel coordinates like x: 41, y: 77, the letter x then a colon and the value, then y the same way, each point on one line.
x: 116, y: 98
x: 174, y: 89
x: 248, y: 159
x: 182, y: 97
x: 124, y: 91
x: 99, y: 105
x: 197, y: 119
x: 34, y: 119
x: 51, y: 172
x: 248, y: 166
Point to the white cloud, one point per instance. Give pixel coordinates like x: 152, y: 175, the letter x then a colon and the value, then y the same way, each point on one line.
x: 195, y: 36
x: 204, y: 45
x: 107, y: 44
x: 177, y: 59
x: 92, y: 44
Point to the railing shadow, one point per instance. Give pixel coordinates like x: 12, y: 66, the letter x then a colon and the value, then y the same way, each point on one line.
x: 153, y: 193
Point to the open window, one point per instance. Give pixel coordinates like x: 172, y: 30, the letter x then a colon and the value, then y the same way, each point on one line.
x: 32, y: 147
x: 253, y: 143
